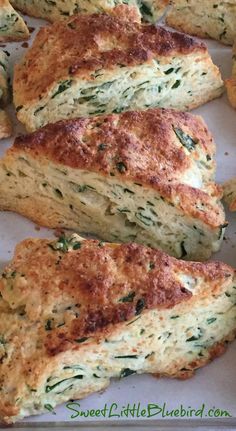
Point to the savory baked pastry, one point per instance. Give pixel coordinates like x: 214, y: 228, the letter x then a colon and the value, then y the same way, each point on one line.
x: 4, y: 78
x: 146, y: 176
x: 12, y: 26
x: 74, y: 314
x: 92, y: 73
x: 231, y: 83
x: 5, y: 125
x: 212, y: 18
x: 230, y: 193
x: 151, y: 10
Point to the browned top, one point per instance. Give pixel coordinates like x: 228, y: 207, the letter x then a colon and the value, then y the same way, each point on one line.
x: 84, y: 292
x: 138, y: 147
x: 86, y: 43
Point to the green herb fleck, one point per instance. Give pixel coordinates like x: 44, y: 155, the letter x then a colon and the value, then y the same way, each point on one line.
x: 185, y: 139
x: 126, y: 372
x: 128, y: 298
x: 121, y: 167
x: 64, y: 85
x: 140, y: 306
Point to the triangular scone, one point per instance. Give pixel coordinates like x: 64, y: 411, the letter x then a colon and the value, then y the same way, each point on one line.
x: 231, y: 83
x: 146, y: 176
x: 230, y: 193
x: 57, y: 10
x: 205, y: 18
x: 4, y: 78
x: 5, y: 125
x: 12, y: 25
x: 75, y: 314
x: 92, y: 73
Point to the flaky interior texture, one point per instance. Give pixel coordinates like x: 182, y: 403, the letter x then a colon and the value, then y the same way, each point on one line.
x: 212, y: 18
x: 167, y: 342
x: 12, y: 26
x: 85, y: 201
x: 60, y: 9
x: 181, y: 82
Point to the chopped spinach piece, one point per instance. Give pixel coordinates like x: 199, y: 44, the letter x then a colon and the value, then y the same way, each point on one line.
x: 121, y: 167
x: 167, y: 72
x: 102, y: 147
x: 81, y: 340
x: 211, y: 320
x: 185, y: 139
x: 128, y: 298
x: 50, y: 408
x: 176, y: 84
x: 48, y: 325
x: 64, y: 85
x: 126, y: 357
x: 140, y: 306
x: 58, y: 193
x: 50, y: 388
x: 126, y: 372
x: 64, y: 244
x: 145, y: 10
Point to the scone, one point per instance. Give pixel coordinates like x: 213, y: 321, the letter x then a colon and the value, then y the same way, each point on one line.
x: 56, y: 10
x: 5, y: 125
x: 230, y: 193
x: 4, y: 78
x: 76, y: 68
x: 231, y: 83
x: 12, y: 26
x: 205, y: 18
x: 143, y: 176
x: 5, y: 122
x: 76, y: 314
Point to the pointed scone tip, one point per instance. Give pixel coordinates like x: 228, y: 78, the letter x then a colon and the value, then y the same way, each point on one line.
x: 12, y: 25
x: 140, y: 67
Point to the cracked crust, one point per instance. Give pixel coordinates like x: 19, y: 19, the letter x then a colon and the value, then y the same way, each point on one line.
x: 85, y: 45
x: 140, y: 147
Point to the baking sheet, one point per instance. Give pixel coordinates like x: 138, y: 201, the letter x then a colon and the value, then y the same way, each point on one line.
x: 215, y: 385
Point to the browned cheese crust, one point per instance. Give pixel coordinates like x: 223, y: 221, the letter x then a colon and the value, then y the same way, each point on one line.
x: 96, y: 277
x: 144, y: 144
x: 86, y: 292
x: 90, y: 42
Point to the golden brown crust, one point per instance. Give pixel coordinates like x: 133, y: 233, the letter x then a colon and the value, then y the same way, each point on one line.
x: 80, y: 41
x: 138, y: 146
x: 5, y: 125
x: 97, y: 277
